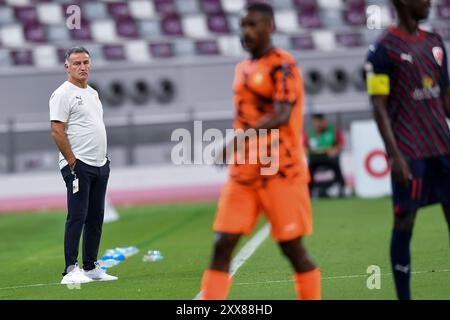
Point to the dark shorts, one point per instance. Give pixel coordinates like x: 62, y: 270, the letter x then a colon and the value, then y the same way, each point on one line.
x: 430, y: 185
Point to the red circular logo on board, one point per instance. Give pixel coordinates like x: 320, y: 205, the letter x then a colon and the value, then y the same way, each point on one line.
x: 368, y: 163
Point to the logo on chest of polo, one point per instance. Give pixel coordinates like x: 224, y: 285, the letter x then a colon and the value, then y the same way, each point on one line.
x: 79, y: 100
x: 429, y: 90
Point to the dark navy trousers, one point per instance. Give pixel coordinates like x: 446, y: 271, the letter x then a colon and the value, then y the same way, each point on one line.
x: 85, y: 212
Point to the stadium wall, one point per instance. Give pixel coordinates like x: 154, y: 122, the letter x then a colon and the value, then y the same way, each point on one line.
x: 200, y: 84
x: 127, y: 186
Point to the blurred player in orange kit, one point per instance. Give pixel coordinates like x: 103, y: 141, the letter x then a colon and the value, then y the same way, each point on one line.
x: 268, y: 94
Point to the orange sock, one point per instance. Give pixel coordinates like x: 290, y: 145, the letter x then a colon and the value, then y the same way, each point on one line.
x: 307, y: 284
x: 215, y: 285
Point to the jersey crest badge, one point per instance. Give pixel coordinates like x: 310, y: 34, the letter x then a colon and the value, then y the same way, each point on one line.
x: 438, y: 54
x: 258, y: 78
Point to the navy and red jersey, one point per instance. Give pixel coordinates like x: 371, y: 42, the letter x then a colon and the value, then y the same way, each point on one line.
x: 413, y: 72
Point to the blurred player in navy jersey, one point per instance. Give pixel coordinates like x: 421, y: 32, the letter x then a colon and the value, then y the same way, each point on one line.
x: 408, y: 82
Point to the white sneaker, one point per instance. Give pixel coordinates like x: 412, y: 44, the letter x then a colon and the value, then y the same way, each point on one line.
x: 75, y: 276
x: 98, y: 274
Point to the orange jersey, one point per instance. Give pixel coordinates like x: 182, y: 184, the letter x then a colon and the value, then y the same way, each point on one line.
x: 258, y: 86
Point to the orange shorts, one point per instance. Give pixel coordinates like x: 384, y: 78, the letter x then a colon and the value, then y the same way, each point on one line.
x: 285, y: 202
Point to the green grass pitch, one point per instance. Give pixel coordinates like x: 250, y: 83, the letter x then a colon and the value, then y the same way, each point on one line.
x: 349, y: 235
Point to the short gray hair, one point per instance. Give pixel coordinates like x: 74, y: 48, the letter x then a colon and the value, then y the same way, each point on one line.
x: 76, y: 49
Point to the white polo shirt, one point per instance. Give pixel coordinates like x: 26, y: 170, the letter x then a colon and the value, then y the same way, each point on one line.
x: 82, y: 111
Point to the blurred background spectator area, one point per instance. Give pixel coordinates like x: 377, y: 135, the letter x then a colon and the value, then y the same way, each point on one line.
x: 160, y: 64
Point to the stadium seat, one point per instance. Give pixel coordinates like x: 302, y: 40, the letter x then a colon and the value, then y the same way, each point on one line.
x: 286, y: 21
x: 50, y: 13
x: 45, y: 56
x: 149, y: 28
x: 305, y: 5
x: 26, y: 14
x: 331, y: 18
x: 35, y: 32
x: 336, y: 5
x: 302, y: 42
x: 307, y: 13
x: 6, y: 15
x: 141, y: 9
x: 136, y: 50
x: 94, y: 10
x: 355, y: 12
x: 57, y: 33
x: 230, y: 46
x: 207, y: 47
x: 443, y: 9
x: 84, y: 33
x: 104, y: 31
x: 17, y: 2
x: 269, y: 2
x: 234, y: 22
x: 193, y: 23
x: 211, y: 6
x: 282, y: 4
x: 184, y: 47
x: 171, y: 25
x: 349, y: 39
x: 281, y: 40
x: 161, y: 50
x: 61, y: 54
x: 127, y: 28
x: 309, y: 18
x: 218, y: 23
x: 165, y: 7
x: 324, y: 40
x: 5, y: 58
x: 233, y: 6
x: 119, y: 10
x: 114, y: 52
x: 12, y: 36
x: 22, y: 57
x: 95, y: 52
x: 195, y: 26
x: 184, y: 7
x: 387, y: 15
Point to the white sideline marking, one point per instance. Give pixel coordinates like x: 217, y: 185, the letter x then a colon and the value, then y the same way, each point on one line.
x: 339, y: 277
x: 249, y: 283
x: 31, y: 286
x: 246, y: 252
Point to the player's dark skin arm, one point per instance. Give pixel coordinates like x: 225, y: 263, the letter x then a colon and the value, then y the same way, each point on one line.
x: 276, y: 119
x: 446, y: 207
x: 399, y: 166
x: 60, y: 137
x: 447, y: 102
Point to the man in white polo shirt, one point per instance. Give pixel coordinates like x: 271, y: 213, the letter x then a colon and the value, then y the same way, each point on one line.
x: 77, y: 127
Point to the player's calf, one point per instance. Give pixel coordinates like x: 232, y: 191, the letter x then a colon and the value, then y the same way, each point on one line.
x: 446, y: 209
x: 216, y: 280
x: 400, y: 253
x: 307, y: 275
x: 405, y: 221
x: 223, y: 249
x: 297, y: 255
